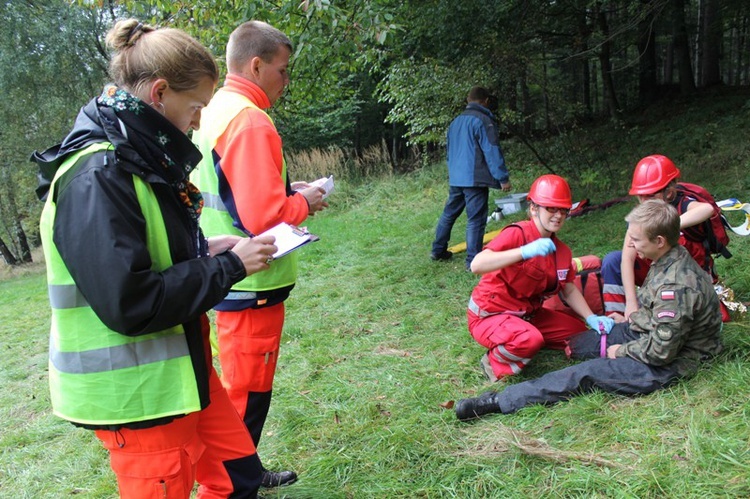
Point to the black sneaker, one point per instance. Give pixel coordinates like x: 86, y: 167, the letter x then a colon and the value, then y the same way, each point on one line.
x: 271, y: 479
x: 443, y: 255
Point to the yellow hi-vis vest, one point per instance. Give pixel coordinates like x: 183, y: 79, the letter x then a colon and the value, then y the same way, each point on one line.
x: 98, y: 376
x: 215, y: 219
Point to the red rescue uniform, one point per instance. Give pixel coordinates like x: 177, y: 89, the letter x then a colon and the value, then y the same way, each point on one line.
x: 505, y: 311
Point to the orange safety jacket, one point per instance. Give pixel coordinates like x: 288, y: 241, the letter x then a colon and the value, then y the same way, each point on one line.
x: 244, y: 181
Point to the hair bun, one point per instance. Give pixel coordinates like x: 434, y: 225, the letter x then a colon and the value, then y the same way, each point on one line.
x: 126, y: 33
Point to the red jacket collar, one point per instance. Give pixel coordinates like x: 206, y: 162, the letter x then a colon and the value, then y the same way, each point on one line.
x: 236, y: 83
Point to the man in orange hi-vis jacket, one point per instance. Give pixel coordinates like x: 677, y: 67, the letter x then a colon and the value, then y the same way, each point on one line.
x: 244, y: 181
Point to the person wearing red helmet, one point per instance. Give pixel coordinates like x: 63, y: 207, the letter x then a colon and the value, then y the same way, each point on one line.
x: 520, y: 267
x: 655, y: 177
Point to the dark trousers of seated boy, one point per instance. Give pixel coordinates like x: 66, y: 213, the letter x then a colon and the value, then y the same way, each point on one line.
x: 622, y: 375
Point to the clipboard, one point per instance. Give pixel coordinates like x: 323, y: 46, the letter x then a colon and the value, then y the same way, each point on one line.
x: 289, y: 238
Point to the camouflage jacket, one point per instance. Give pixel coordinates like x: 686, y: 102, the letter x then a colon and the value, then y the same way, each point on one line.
x: 678, y: 319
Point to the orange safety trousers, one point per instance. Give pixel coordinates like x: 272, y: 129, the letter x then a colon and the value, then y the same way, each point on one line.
x: 211, y: 447
x: 512, y: 341
x: 249, y: 342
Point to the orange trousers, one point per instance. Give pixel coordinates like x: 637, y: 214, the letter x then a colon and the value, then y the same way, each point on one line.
x: 248, y: 351
x: 211, y: 447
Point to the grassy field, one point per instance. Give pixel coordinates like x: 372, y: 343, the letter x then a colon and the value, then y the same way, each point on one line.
x: 376, y: 346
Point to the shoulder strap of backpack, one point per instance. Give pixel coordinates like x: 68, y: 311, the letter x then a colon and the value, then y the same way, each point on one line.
x: 523, y: 234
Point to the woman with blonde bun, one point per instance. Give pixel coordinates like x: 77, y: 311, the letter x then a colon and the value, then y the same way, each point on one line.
x: 130, y: 276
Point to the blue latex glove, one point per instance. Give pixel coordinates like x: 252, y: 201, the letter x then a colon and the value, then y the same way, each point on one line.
x: 540, y: 247
x: 600, y: 323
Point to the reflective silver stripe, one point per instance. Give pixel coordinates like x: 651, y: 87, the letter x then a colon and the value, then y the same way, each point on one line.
x: 513, y: 366
x: 614, y: 306
x: 483, y: 313
x: 611, y: 291
x: 119, y: 357
x: 63, y: 296
x: 614, y: 289
x: 510, y: 356
x: 241, y: 295
x: 475, y: 308
x: 213, y: 201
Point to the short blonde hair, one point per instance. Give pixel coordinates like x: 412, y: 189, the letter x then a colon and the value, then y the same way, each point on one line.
x: 657, y: 218
x: 143, y: 53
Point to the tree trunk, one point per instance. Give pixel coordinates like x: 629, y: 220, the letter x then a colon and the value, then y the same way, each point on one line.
x: 528, y: 111
x: 20, y: 234
x: 6, y: 254
x: 647, y: 90
x: 595, y: 106
x: 682, y: 47
x: 744, y: 47
x: 737, y: 60
x: 394, y: 147
x: 669, y: 64
x: 610, y: 97
x: 23, y: 243
x: 711, y: 43
x: 580, y: 46
x: 509, y: 87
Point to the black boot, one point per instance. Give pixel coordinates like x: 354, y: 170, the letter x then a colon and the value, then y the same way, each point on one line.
x: 472, y: 408
x: 271, y: 479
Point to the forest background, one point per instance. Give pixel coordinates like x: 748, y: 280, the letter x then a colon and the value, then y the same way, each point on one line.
x: 375, y: 347
x: 376, y: 80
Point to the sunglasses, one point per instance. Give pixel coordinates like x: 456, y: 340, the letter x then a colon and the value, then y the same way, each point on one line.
x: 556, y: 210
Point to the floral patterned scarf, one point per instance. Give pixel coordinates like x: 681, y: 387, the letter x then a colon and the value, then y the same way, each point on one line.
x: 165, y: 149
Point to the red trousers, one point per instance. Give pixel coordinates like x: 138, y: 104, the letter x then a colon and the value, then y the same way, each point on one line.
x: 211, y: 447
x: 513, y: 341
x: 248, y: 351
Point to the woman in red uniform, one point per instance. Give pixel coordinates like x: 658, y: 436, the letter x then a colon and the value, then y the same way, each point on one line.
x: 521, y: 267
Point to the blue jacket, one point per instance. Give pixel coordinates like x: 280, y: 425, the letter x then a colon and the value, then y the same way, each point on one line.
x: 474, y: 155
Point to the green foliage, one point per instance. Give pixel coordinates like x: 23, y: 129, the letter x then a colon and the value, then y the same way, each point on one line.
x: 335, y: 44
x: 543, y: 59
x: 449, y: 48
x: 50, y: 66
x: 427, y: 95
x: 354, y: 122
x: 321, y: 125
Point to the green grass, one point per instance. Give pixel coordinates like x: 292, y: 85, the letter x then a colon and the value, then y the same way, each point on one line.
x: 376, y: 344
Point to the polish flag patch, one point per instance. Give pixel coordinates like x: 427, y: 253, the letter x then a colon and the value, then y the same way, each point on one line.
x: 667, y: 295
x: 666, y: 313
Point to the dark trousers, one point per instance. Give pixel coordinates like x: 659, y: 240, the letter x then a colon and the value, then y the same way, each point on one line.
x: 622, y: 375
x: 474, y: 199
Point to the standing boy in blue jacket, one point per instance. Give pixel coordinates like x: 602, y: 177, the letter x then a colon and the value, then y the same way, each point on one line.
x: 475, y: 163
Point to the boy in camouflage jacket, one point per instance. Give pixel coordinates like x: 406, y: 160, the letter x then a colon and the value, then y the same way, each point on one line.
x: 677, y: 326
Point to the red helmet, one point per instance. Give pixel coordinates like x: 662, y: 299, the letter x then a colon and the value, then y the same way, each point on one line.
x: 551, y: 191
x: 652, y: 174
